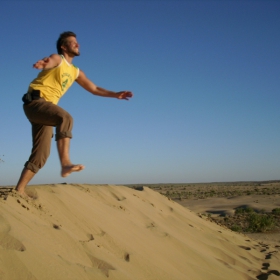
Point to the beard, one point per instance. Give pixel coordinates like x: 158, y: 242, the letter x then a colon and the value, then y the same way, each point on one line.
x: 74, y: 53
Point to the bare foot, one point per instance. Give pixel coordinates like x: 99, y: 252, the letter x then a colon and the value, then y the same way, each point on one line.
x: 22, y: 194
x: 67, y: 170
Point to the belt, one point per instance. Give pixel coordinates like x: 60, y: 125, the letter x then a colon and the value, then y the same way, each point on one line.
x: 30, y: 96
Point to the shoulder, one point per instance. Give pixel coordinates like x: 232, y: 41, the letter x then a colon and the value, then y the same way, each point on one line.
x: 56, y: 58
x: 77, y: 71
x: 81, y: 76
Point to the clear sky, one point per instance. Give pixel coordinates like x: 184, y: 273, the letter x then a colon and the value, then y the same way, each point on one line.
x: 205, y: 78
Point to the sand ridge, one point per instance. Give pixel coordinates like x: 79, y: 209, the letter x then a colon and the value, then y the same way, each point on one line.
x: 81, y: 231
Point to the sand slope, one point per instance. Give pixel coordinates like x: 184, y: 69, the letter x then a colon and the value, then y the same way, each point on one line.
x: 100, y: 232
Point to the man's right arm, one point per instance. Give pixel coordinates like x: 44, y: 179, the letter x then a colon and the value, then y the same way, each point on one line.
x: 48, y: 62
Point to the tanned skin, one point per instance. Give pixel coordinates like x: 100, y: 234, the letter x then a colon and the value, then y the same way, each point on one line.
x: 69, y: 51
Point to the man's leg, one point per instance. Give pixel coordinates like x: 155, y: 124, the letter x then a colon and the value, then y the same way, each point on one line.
x: 48, y: 114
x: 25, y: 178
x: 41, y: 138
x: 67, y: 167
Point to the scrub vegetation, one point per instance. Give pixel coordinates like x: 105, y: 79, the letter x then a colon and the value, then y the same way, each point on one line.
x: 244, y: 219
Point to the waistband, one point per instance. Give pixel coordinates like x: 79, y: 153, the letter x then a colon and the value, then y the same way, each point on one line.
x: 30, y: 96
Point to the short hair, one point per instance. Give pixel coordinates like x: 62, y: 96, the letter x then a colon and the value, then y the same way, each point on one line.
x: 62, y: 40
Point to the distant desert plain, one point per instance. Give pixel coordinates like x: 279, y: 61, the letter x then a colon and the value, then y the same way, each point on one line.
x: 232, y: 204
x: 202, y: 231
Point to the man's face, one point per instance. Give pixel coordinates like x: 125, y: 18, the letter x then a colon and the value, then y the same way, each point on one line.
x: 72, y: 46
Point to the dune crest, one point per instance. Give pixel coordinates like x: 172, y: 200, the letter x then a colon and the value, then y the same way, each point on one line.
x: 100, y: 232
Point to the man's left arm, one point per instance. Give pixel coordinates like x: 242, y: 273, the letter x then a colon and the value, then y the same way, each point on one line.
x: 88, y: 85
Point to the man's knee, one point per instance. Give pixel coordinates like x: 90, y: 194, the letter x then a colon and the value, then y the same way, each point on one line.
x: 38, y: 158
x: 35, y: 167
x: 63, y: 134
x: 64, y: 130
x: 65, y: 118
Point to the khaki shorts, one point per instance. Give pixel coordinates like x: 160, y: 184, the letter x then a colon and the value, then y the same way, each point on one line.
x: 43, y: 116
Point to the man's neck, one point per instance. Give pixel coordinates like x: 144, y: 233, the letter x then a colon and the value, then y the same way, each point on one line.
x: 68, y: 58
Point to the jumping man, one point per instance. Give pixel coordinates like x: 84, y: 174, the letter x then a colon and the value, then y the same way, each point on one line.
x: 41, y: 109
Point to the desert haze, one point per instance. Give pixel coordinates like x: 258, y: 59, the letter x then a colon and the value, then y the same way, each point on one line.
x: 72, y: 231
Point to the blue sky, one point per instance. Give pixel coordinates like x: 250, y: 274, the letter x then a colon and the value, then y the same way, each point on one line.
x: 205, y: 78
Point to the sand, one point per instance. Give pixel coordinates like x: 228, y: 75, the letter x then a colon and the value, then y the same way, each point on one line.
x: 115, y: 232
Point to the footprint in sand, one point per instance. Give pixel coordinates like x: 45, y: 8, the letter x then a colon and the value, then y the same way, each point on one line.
x: 109, y: 243
x: 7, y: 241
x: 118, y: 198
x: 90, y: 238
x: 83, y: 188
x: 103, y: 266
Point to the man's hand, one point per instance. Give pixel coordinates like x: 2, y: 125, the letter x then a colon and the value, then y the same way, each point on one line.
x: 41, y: 64
x: 124, y: 95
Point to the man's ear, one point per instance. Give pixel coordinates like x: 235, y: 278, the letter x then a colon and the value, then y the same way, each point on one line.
x: 63, y: 47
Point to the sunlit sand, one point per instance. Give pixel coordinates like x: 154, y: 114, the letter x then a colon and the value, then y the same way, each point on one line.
x: 115, y: 232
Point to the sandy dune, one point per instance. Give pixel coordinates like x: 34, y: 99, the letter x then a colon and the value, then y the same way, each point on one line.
x: 100, y: 232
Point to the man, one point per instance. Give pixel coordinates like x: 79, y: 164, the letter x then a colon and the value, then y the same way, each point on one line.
x: 40, y: 107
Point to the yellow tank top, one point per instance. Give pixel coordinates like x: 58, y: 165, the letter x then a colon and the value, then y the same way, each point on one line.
x: 54, y: 82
